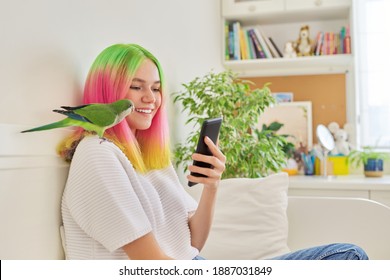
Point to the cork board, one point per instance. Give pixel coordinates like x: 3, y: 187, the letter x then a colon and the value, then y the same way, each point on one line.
x: 326, y: 92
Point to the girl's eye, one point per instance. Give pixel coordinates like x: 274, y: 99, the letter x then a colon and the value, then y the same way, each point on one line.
x: 135, y: 87
x: 156, y: 89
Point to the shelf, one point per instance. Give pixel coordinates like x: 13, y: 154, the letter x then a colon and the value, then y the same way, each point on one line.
x: 347, y: 182
x: 327, y: 64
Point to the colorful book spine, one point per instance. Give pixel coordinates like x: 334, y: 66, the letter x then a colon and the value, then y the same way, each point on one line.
x: 331, y: 43
x: 231, y: 42
x: 342, y: 40
x: 264, y: 46
x: 227, y: 56
x: 252, y: 46
x: 236, y: 38
x: 243, y: 45
x: 259, y: 51
x: 320, y: 42
x: 249, y: 45
x: 347, y: 41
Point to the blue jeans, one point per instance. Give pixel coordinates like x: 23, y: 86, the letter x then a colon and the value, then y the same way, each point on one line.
x: 336, y: 251
x: 198, y: 258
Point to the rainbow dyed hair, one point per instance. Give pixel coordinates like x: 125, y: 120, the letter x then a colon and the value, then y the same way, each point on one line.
x: 109, y: 80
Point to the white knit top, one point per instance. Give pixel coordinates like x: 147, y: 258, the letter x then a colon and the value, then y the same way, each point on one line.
x: 106, y: 204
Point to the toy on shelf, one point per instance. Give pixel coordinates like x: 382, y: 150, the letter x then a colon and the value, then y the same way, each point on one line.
x: 289, y: 50
x: 304, y: 43
x: 342, y: 146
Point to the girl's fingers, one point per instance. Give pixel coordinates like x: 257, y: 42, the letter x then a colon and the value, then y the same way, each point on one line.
x: 214, y: 149
x: 215, y: 162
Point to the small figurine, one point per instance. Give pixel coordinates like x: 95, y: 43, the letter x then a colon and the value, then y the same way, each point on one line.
x: 289, y: 50
x: 342, y: 146
x: 304, y: 43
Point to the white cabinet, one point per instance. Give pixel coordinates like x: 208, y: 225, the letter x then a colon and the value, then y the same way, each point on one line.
x: 281, y: 20
x: 377, y: 189
x: 293, y: 5
x: 234, y: 8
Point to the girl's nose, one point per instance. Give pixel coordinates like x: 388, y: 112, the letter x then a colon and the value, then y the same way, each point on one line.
x: 149, y: 96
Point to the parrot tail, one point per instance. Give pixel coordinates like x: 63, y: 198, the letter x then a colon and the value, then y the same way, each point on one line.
x: 63, y: 123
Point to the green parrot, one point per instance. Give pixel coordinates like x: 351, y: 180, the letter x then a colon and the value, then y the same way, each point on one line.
x: 92, y: 117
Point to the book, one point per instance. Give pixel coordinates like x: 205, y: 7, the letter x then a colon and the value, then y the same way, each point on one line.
x: 319, y: 43
x: 347, y: 41
x: 325, y: 45
x: 227, y: 55
x: 336, y: 43
x: 331, y: 43
x: 347, y: 45
x: 264, y: 46
x: 276, y: 47
x: 231, y: 42
x: 250, y: 51
x: 269, y: 45
x: 236, y: 40
x: 244, y: 44
x: 252, y: 46
x: 256, y: 43
x: 342, y: 39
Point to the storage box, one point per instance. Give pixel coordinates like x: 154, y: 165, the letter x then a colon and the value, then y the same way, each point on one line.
x: 336, y: 165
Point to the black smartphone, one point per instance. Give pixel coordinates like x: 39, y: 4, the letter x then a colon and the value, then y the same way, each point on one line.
x: 210, y: 128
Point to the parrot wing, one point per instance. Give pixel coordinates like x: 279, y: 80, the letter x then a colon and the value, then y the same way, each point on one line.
x: 99, y: 114
x: 72, y: 115
x: 69, y: 108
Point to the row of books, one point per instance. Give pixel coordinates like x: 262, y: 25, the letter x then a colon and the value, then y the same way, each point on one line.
x: 329, y: 43
x: 248, y: 43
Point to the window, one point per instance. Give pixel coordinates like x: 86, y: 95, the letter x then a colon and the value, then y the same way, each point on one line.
x: 373, y: 71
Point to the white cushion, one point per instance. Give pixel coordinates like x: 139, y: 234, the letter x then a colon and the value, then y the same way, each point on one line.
x: 250, y: 219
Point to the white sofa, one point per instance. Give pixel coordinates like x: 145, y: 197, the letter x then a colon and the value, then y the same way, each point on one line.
x: 314, y: 221
x: 255, y: 219
x: 32, y: 181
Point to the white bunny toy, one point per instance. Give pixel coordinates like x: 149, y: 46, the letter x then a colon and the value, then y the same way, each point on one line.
x: 341, y: 144
x: 289, y: 50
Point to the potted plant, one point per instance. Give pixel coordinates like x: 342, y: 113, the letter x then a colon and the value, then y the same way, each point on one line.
x: 371, y: 159
x: 250, y: 152
x: 291, y: 166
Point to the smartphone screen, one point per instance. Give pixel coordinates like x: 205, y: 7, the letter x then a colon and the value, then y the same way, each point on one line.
x: 210, y: 128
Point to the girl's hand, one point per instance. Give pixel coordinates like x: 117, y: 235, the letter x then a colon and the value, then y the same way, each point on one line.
x: 213, y: 174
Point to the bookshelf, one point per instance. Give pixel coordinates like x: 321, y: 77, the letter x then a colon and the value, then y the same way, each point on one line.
x: 281, y: 20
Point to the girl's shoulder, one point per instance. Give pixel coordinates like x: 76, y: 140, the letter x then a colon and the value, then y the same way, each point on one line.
x: 93, y: 145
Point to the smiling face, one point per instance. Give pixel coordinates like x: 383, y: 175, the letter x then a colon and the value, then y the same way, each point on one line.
x: 145, y: 92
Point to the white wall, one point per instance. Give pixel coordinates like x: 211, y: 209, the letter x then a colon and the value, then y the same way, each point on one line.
x: 47, y: 47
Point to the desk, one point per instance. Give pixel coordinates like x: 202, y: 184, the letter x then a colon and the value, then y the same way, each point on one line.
x: 377, y: 189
